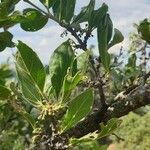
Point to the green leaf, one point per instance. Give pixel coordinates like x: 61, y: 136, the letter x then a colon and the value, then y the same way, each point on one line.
x: 64, y: 9
x: 110, y: 29
x: 103, y: 35
x: 97, y: 16
x: 7, y: 7
x: 33, y: 64
x: 85, y: 14
x: 29, y: 118
x: 31, y: 73
x: 5, y: 72
x: 70, y: 7
x: 34, y: 20
x: 132, y: 61
x: 83, y: 61
x: 87, y: 143
x: 5, y: 40
x: 108, y: 129
x: 118, y: 37
x: 60, y: 61
x: 74, y: 68
x: 79, y: 107
x: 70, y: 84
x: 3, y: 10
x: 144, y: 30
x: 11, y: 20
x: 4, y: 93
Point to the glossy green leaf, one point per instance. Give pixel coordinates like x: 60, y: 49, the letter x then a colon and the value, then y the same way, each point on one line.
x: 144, y: 30
x: 70, y: 84
x: 5, y: 40
x: 118, y: 37
x: 64, y: 9
x: 30, y: 72
x: 85, y: 14
x: 97, y: 16
x: 60, y: 61
x: 4, y: 93
x: 34, y: 20
x: 79, y: 107
x: 109, y: 128
x: 103, y: 36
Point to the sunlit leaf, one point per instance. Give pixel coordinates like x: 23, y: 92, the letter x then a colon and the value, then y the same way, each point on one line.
x: 60, y: 61
x: 30, y: 72
x: 79, y: 107
x: 69, y: 84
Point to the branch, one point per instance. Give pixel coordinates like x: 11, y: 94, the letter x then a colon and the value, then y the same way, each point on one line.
x: 121, y: 106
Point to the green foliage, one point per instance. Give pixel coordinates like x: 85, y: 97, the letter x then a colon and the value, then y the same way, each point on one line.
x: 30, y: 72
x: 83, y: 61
x: 87, y: 144
x: 69, y: 84
x: 104, y: 36
x: 85, y: 14
x: 118, y: 37
x: 97, y: 16
x: 64, y: 10
x: 79, y: 107
x: 5, y: 73
x: 144, y: 30
x: 4, y: 93
x: 33, y: 21
x: 5, y: 40
x: 110, y: 127
x: 60, y: 61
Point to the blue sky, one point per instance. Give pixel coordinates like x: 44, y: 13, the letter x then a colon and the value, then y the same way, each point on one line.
x: 123, y: 14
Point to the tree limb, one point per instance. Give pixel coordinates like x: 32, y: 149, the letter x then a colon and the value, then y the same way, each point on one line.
x: 122, y: 105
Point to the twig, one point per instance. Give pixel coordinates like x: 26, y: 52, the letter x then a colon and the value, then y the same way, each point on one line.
x: 118, y: 138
